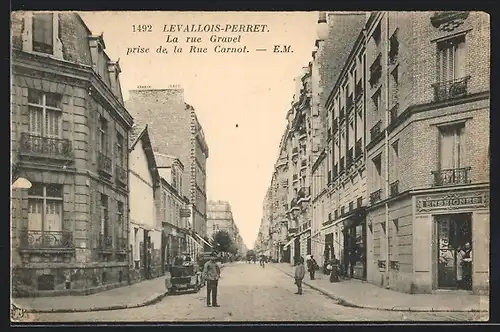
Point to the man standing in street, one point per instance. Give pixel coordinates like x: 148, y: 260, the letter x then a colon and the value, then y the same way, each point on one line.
x: 211, y: 272
x: 312, y: 266
x: 300, y: 272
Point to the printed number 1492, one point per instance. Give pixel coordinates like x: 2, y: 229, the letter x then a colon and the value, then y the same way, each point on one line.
x: 142, y: 28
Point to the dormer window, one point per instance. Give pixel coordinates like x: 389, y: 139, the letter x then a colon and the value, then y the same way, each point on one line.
x: 41, y: 34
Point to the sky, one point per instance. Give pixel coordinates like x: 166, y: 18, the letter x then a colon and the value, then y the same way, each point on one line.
x: 240, y: 99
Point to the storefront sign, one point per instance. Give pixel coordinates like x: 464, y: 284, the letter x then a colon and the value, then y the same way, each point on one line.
x: 453, y: 201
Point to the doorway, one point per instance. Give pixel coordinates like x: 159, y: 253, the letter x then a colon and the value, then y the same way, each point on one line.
x: 454, y: 235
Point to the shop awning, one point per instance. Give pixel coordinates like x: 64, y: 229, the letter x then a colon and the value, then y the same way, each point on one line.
x: 194, y: 240
x: 203, y: 240
x: 289, y: 243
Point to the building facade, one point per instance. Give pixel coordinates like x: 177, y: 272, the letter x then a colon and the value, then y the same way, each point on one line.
x: 145, y: 232
x: 220, y: 218
x: 69, y: 138
x: 175, y: 130
x: 428, y: 120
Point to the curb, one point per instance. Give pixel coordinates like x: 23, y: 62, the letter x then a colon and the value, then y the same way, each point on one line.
x: 345, y: 303
x: 148, y: 302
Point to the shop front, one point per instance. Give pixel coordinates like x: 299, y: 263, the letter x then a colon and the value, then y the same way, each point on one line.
x: 174, y: 243
x: 458, y: 226
x: 354, y: 245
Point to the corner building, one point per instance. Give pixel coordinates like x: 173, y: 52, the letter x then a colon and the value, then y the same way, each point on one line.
x: 427, y: 150
x: 69, y: 139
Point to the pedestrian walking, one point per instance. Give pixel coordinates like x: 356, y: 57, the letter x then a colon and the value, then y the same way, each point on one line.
x: 333, y: 267
x: 211, y: 272
x: 312, y: 266
x: 300, y: 272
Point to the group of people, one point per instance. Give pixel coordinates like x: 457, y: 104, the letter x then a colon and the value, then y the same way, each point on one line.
x: 312, y: 266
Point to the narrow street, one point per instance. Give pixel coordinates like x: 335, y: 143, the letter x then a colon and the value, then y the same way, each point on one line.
x: 248, y: 292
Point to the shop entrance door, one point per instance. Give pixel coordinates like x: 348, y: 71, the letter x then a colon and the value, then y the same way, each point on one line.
x: 454, y: 251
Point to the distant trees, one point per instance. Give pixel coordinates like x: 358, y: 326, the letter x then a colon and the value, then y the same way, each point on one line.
x: 222, y: 242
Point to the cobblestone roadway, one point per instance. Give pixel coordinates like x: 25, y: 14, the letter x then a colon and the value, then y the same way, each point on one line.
x: 248, y: 292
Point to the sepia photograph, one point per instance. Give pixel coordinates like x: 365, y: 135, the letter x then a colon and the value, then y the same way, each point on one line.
x: 294, y: 166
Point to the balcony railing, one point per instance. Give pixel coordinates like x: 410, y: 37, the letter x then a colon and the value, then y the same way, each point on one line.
x: 358, y: 91
x: 394, y: 113
x: 30, y: 239
x: 375, y: 196
x: 394, y: 188
x: 104, y: 163
x: 46, y: 146
x: 376, y: 130
x: 342, y: 165
x: 121, y: 244
x: 452, y: 176
x: 358, y: 148
x: 121, y: 174
x: 349, y: 102
x: 451, y: 89
x: 105, y: 242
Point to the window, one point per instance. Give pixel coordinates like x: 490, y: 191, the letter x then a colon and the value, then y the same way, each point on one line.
x: 45, y: 114
x: 104, y: 216
x: 377, y: 99
x: 394, y: 47
x: 452, y: 146
x: 393, y: 241
x: 377, y: 167
x: 163, y: 206
x: 103, y: 135
x: 45, y: 208
x: 119, y: 149
x: 174, y: 177
x: 120, y: 222
x: 377, y: 34
x: 451, y: 59
x: 395, y: 159
x: 43, y: 33
x: 136, y: 253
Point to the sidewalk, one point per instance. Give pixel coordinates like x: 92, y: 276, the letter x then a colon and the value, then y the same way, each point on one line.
x: 356, y: 293
x: 137, y: 295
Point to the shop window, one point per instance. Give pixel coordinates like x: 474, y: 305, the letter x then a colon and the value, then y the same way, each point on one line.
x: 46, y: 282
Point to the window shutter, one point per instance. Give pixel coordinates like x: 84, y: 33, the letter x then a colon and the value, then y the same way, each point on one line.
x: 35, y: 121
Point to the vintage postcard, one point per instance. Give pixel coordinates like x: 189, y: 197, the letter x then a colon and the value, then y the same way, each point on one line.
x: 250, y: 166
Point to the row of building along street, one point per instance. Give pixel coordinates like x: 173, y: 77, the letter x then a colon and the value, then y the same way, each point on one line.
x: 117, y: 188
x: 384, y: 162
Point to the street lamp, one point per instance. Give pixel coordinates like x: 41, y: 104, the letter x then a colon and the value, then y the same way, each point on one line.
x: 322, y: 28
x: 21, y: 183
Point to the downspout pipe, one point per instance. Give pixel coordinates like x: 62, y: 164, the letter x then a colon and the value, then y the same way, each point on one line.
x: 386, y: 147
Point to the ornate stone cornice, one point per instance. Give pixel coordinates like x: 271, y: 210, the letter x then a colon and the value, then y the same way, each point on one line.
x: 449, y: 20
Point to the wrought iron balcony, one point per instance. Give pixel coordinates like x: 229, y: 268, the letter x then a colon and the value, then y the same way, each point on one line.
x: 105, y: 242
x: 30, y: 239
x: 452, y: 176
x: 394, y: 188
x: 104, y: 163
x: 358, y: 90
x: 375, y: 196
x: 121, y: 174
x: 358, y: 148
x: 451, y: 89
x: 376, y: 130
x: 45, y: 146
x: 121, y: 244
x: 349, y: 102
x: 394, y: 113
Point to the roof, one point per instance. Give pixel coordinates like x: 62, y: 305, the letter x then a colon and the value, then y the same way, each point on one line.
x: 135, y: 134
x: 165, y: 160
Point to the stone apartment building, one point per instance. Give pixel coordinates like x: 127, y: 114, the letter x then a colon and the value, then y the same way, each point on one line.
x: 220, y: 218
x: 175, y: 130
x: 428, y: 150
x: 69, y: 139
